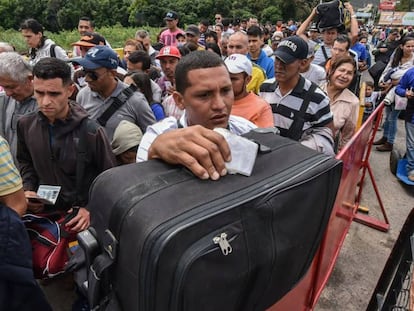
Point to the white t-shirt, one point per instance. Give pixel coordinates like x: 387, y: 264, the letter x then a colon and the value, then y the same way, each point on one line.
x: 237, y: 125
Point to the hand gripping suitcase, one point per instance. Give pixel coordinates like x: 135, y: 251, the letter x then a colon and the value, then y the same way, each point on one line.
x: 175, y: 242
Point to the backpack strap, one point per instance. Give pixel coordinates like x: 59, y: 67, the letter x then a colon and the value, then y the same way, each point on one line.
x: 81, y: 161
x: 52, y: 50
x: 87, y: 126
x: 296, y: 129
x: 117, y: 102
x: 325, y: 54
x: 269, y: 87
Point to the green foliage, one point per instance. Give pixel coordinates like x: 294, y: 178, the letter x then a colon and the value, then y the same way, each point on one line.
x: 57, y: 15
x: 116, y: 36
x: 271, y: 14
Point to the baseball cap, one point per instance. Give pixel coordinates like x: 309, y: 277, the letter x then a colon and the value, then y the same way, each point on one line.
x: 126, y: 136
x: 171, y: 15
x: 293, y: 27
x: 277, y: 35
x: 313, y: 27
x: 90, y: 39
x: 238, y: 63
x: 192, y: 30
x: 291, y: 49
x: 97, y: 57
x: 169, y: 50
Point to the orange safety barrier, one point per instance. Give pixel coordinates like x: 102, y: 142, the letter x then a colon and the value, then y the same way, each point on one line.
x: 355, y: 157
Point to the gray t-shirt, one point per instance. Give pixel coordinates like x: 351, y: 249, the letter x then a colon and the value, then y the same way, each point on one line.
x: 10, y: 112
x: 319, y: 55
x: 136, y: 109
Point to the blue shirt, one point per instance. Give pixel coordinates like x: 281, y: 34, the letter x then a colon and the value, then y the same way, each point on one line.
x: 361, y: 51
x: 265, y: 62
x: 407, y: 82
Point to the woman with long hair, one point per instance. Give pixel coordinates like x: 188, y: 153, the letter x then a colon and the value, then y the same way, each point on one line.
x: 143, y: 83
x: 344, y: 104
x: 402, y: 60
x: 39, y: 45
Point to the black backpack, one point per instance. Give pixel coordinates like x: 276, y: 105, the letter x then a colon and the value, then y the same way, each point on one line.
x: 52, y: 50
x: 333, y: 15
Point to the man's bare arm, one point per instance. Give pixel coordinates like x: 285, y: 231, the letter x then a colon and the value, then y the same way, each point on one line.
x: 353, y: 32
x: 305, y: 24
x: 16, y: 201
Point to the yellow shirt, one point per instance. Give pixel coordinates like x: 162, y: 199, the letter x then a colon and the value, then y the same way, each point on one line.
x: 10, y: 180
x: 258, y: 76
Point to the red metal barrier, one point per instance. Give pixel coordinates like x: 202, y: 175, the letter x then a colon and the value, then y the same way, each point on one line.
x: 355, y: 157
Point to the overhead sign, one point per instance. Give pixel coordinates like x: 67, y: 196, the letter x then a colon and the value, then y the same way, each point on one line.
x: 397, y: 18
x: 387, y: 5
x: 363, y: 15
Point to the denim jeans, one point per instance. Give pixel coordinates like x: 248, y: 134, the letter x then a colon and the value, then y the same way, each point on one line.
x: 390, y: 123
x: 409, y: 141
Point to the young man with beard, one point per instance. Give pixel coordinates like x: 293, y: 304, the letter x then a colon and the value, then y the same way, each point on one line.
x: 247, y: 104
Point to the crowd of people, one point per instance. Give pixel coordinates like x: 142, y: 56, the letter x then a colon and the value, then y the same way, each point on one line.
x: 162, y: 100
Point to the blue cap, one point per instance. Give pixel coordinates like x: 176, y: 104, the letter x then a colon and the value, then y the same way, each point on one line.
x: 97, y: 57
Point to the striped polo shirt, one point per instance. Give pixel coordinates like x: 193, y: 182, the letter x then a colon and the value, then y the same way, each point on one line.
x: 285, y: 108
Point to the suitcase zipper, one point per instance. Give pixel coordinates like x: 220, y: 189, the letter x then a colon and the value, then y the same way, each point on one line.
x: 160, y: 236
x: 203, y: 247
x: 224, y: 245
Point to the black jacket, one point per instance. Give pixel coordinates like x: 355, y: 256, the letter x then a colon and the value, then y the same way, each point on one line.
x: 47, y: 153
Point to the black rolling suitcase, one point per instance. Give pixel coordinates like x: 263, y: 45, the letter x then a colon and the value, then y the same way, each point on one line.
x: 170, y: 241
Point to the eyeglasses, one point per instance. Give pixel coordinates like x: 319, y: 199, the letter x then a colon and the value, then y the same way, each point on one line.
x: 92, y: 74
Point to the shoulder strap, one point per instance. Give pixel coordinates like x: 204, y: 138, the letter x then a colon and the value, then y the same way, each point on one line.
x: 268, y: 87
x: 3, y: 114
x: 296, y: 129
x: 81, y: 159
x: 52, y: 50
x: 87, y: 126
x: 117, y: 103
x: 325, y: 54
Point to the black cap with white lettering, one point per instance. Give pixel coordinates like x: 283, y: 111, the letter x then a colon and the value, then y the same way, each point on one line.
x: 291, y: 49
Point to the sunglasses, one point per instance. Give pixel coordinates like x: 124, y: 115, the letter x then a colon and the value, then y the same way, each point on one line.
x: 92, y: 74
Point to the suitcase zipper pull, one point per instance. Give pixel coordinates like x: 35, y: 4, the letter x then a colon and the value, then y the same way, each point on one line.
x: 223, y: 243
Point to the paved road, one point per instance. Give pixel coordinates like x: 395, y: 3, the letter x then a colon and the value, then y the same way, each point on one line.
x: 366, y: 250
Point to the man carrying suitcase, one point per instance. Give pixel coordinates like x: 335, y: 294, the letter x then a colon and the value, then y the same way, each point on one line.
x: 204, y: 90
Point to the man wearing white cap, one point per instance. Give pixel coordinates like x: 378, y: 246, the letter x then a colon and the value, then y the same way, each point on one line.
x: 247, y: 104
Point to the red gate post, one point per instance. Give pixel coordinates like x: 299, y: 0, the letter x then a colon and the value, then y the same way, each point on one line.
x: 382, y: 225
